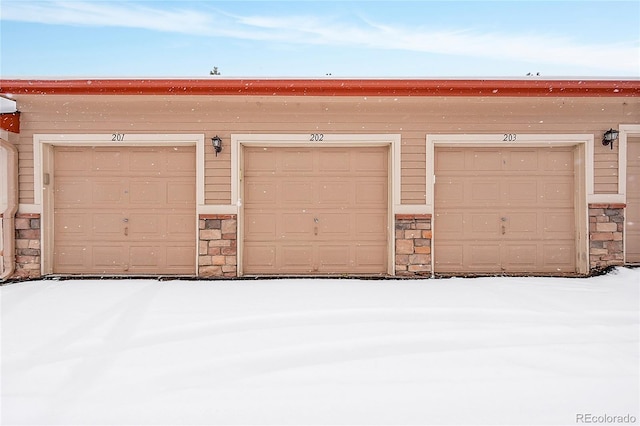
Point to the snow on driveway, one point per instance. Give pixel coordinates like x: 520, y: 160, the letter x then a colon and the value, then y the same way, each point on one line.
x: 321, y: 351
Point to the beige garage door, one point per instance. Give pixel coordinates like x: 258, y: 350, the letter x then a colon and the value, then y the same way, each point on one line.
x: 504, y: 210
x: 315, y: 210
x: 632, y: 220
x: 124, y: 210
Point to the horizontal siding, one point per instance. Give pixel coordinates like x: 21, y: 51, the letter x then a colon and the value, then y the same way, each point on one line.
x: 413, y: 118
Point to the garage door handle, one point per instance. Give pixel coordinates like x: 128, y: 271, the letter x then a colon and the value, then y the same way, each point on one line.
x: 126, y: 231
x: 504, y: 230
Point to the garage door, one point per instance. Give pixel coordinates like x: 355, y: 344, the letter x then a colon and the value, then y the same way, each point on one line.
x: 632, y: 237
x: 315, y: 210
x: 124, y: 210
x: 504, y: 210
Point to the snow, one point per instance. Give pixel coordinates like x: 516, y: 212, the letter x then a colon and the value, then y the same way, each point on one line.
x: 501, y: 350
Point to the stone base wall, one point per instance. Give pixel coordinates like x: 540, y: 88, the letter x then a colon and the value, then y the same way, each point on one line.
x: 413, y: 244
x: 606, y: 227
x: 218, y: 247
x: 28, y: 252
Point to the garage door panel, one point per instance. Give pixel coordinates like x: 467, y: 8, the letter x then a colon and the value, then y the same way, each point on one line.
x: 130, y: 209
x: 371, y: 193
x: 485, y: 192
x: 450, y: 257
x: 482, y: 256
x: 142, y: 226
x: 485, y: 160
x: 260, y: 256
x: 450, y: 224
x: 632, y: 211
x: 336, y: 199
x: 70, y: 192
x: 180, y: 257
x: 296, y: 258
x: 522, y: 192
x: 109, y: 258
x: 292, y: 193
x: 523, y: 160
x: 180, y: 226
x: 558, y: 256
x: 71, y: 161
x: 334, y: 258
x: 260, y: 192
x: 108, y: 225
x: 521, y: 225
x: 518, y: 202
x: 144, y: 256
x: 482, y: 225
x: 147, y: 192
x: 108, y: 192
x: 106, y: 160
x: 521, y: 257
x: 558, y: 225
x: 70, y: 256
x: 260, y: 226
x: 180, y: 193
x: 260, y: 160
x: 371, y: 256
x: 74, y: 226
x: 146, y: 160
x: 333, y: 225
x: 558, y: 161
x: 370, y: 226
x: 560, y: 194
x: 335, y: 192
x: 296, y: 225
x: 334, y: 161
x: 373, y: 161
x: 296, y: 161
x: 450, y: 192
x: 449, y: 159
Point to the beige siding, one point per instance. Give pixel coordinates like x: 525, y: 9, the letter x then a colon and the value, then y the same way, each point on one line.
x: 412, y: 117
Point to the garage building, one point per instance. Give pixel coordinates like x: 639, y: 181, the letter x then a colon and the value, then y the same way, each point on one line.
x: 321, y: 177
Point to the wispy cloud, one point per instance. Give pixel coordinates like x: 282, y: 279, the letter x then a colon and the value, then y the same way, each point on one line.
x: 317, y: 30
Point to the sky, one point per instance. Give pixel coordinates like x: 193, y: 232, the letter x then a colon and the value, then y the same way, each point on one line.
x: 430, y: 39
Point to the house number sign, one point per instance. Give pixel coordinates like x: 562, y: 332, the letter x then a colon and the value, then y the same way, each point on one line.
x: 316, y: 137
x: 117, y: 137
x: 509, y: 137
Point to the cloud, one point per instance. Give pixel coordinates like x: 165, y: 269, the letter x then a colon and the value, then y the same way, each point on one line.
x: 315, y: 30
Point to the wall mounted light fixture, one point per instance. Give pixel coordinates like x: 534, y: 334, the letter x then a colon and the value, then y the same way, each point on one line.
x: 609, y: 136
x: 217, y: 144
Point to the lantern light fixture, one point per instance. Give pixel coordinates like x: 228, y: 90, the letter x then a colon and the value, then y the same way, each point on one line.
x: 217, y: 144
x: 610, y: 136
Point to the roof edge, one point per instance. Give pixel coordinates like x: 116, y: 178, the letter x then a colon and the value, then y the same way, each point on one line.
x: 323, y: 87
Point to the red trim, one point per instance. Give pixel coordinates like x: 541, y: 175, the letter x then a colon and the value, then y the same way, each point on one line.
x: 323, y: 87
x: 10, y: 122
x: 413, y: 216
x: 607, y: 206
x: 217, y: 216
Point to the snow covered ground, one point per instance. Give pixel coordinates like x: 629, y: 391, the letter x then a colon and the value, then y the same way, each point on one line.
x: 321, y: 351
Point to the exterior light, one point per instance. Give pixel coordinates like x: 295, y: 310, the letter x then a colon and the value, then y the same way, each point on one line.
x: 217, y: 144
x: 609, y: 136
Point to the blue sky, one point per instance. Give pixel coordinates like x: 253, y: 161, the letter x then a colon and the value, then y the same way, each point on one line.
x: 315, y: 38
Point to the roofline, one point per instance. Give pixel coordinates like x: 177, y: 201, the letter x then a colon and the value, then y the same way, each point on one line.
x: 324, y: 87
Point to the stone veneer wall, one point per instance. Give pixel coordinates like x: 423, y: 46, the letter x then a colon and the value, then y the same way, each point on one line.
x: 28, y: 252
x: 606, y: 226
x: 413, y: 244
x: 217, y: 255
